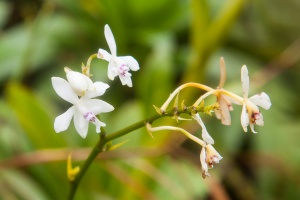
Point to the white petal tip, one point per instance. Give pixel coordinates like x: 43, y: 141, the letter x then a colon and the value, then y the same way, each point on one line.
x: 57, y: 131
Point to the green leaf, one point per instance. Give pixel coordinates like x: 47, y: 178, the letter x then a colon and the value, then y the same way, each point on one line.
x: 218, y: 29
x: 33, y: 117
x: 19, y: 185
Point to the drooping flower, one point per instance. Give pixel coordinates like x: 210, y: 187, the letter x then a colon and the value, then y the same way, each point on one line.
x: 208, y: 157
x: 205, y: 135
x: 117, y: 66
x: 84, y: 109
x: 250, y: 111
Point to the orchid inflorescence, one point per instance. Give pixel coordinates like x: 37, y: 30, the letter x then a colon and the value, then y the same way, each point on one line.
x: 224, y: 99
x: 79, y: 89
x: 81, y: 92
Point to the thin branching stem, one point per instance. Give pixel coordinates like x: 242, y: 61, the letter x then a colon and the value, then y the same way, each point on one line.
x: 105, y: 138
x: 190, y: 84
x: 86, y: 69
x: 74, y: 184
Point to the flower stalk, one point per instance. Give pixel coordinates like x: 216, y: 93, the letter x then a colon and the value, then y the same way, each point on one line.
x: 173, y: 128
x: 86, y: 69
x: 176, y: 91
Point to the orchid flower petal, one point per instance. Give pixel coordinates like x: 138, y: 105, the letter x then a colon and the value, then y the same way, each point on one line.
x: 63, y: 121
x: 245, y: 81
x: 102, y: 54
x: 260, y: 121
x: 244, y: 118
x: 222, y: 73
x: 224, y: 111
x: 203, y: 159
x: 81, y: 125
x: 262, y: 100
x: 212, y: 155
x: 218, y: 113
x: 130, y: 62
x: 110, y: 40
x: 64, y: 90
x: 112, y: 71
x: 97, y: 106
x: 206, y: 137
x: 98, y: 89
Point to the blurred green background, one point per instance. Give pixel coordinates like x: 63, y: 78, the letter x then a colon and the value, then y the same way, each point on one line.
x: 175, y: 41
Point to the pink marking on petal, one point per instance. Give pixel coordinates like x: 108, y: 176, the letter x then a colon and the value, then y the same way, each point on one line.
x: 123, y: 70
x: 89, y: 116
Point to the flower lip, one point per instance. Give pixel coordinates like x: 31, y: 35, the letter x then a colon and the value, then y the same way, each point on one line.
x: 123, y: 70
x: 90, y: 117
x: 213, y: 157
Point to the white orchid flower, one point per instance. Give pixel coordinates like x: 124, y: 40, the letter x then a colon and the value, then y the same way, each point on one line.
x: 250, y: 111
x: 84, y: 109
x: 117, y: 66
x: 208, y: 157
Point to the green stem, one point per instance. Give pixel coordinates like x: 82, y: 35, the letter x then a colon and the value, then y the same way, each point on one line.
x: 99, y: 148
x: 88, y: 63
x: 74, y: 184
x: 132, y: 127
x: 86, y: 69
